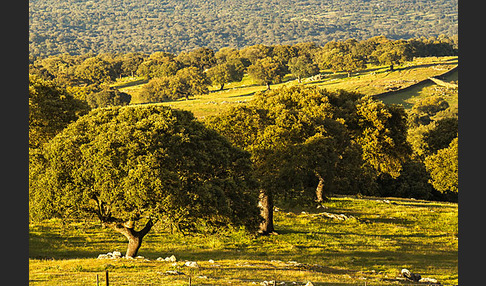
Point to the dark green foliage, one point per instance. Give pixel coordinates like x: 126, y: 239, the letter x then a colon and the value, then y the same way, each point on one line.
x: 299, y: 136
x: 302, y: 67
x: 95, y: 70
x: 442, y: 135
x: 108, y: 97
x: 443, y: 168
x: 186, y: 82
x: 125, y: 164
x: 413, y: 182
x: 221, y: 74
x: 341, y: 56
x: 267, y: 71
x: 393, y: 53
x: 80, y: 27
x: 51, y: 109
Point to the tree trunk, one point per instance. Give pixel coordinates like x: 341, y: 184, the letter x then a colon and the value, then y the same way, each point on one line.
x: 134, y: 243
x: 391, y: 67
x: 321, y: 197
x: 268, y: 86
x: 222, y: 86
x: 266, y: 211
x: 134, y: 237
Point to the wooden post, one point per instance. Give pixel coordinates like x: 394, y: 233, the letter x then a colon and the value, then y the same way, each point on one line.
x: 190, y: 281
x: 107, y: 280
x: 97, y: 280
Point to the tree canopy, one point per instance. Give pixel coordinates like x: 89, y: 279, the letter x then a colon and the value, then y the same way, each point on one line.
x: 125, y: 165
x: 296, y: 132
x: 51, y: 109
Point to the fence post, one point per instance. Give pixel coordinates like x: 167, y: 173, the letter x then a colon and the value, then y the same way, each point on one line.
x: 190, y: 281
x: 97, y: 280
x: 107, y: 280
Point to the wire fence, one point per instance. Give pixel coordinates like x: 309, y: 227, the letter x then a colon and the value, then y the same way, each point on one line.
x: 136, y: 279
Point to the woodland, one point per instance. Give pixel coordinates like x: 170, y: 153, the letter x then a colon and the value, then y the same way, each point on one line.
x: 92, y: 154
x: 81, y: 27
x: 352, y: 184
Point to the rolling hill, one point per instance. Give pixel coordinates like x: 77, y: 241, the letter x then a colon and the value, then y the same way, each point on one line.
x: 80, y: 26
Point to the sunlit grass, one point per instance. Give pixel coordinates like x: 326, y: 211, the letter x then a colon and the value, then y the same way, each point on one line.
x: 373, y: 80
x: 374, y: 244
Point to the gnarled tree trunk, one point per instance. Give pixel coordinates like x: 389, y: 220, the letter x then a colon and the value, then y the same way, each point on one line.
x: 134, y: 237
x: 321, y: 197
x: 266, y: 211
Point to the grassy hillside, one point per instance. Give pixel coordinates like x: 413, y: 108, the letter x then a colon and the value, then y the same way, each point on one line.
x: 373, y: 80
x: 379, y: 237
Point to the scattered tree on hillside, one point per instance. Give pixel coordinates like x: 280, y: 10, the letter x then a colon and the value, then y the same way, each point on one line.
x: 393, y: 53
x: 95, y: 70
x: 130, y: 63
x: 108, y: 97
x: 266, y: 71
x: 341, y: 56
x: 302, y: 67
x: 159, y: 64
x: 201, y: 58
x: 139, y: 165
x: 223, y: 73
x: 186, y: 82
x: 195, y: 82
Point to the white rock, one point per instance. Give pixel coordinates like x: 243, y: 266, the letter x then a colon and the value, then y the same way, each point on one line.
x: 173, y: 272
x: 160, y: 259
x: 429, y: 280
x: 191, y: 264
x: 309, y: 284
x: 117, y: 254
x: 172, y: 258
x: 211, y: 261
x: 103, y: 256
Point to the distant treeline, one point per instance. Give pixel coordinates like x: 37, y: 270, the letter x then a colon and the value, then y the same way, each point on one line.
x: 86, y: 74
x: 81, y: 27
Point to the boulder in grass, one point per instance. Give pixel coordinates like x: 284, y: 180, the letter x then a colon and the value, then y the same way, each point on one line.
x: 410, y: 276
x: 429, y: 280
x: 172, y: 258
x: 191, y: 264
x: 116, y: 254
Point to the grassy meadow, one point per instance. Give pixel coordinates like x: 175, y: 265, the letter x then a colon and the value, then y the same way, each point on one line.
x: 380, y: 237
x: 373, y: 80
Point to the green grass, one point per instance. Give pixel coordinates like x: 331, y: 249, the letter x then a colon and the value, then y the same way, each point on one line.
x: 373, y: 80
x: 374, y: 245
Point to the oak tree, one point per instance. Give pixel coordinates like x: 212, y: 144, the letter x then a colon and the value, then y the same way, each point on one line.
x: 131, y: 166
